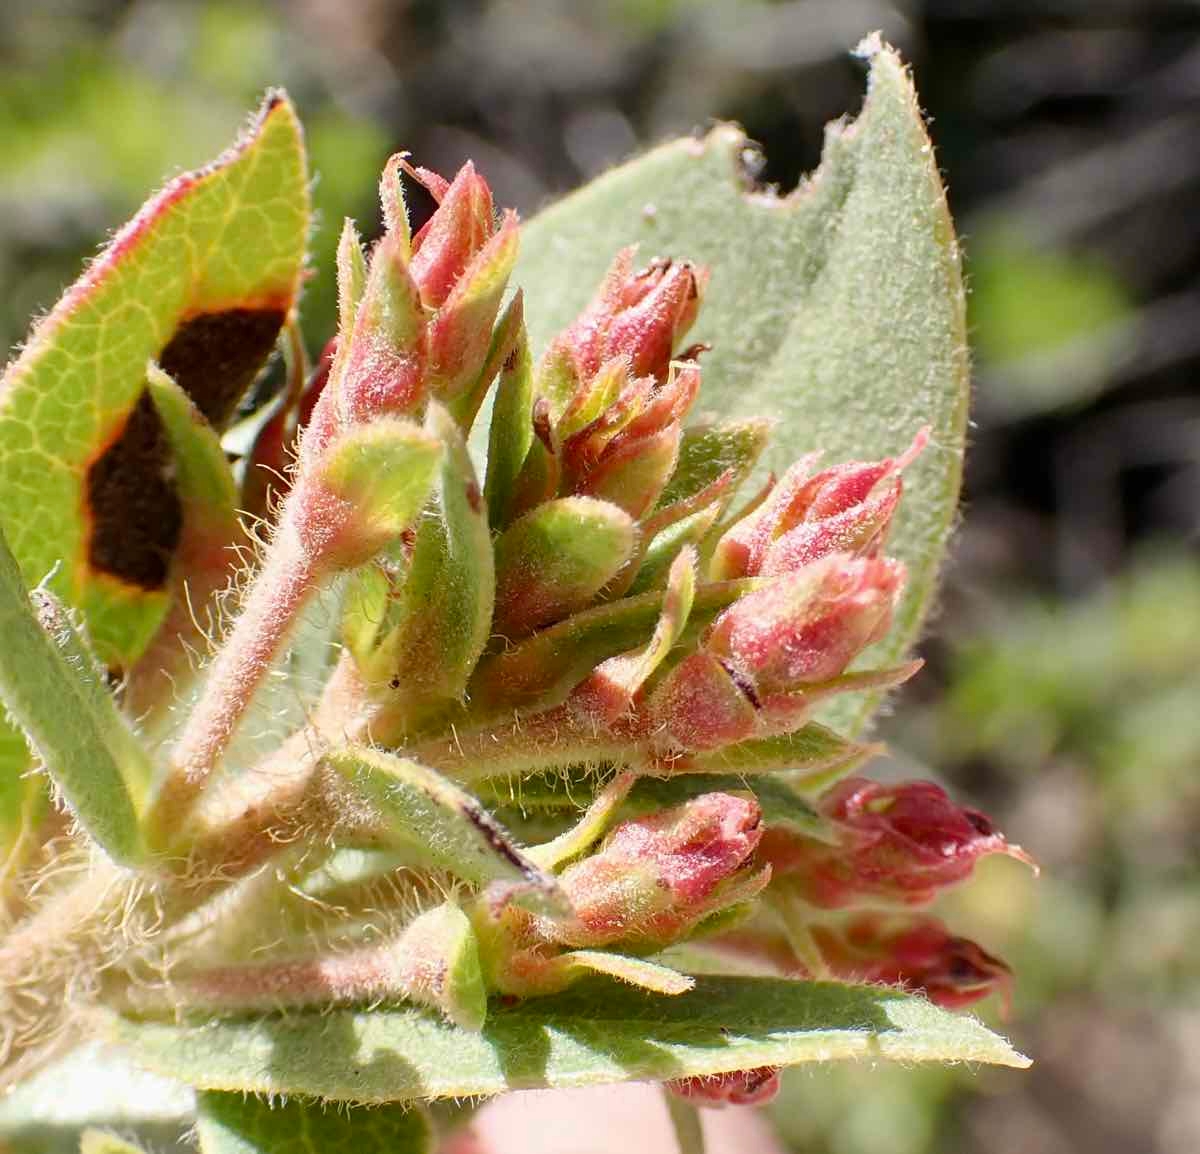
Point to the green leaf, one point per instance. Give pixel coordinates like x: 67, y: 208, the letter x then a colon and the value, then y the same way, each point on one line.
x: 542, y: 669
x: 385, y: 469
x: 54, y: 691
x: 424, y: 809
x: 445, y: 605
x: 94, y: 1087
x: 596, y: 1032
x: 838, y: 310
x: 199, y: 281
x: 781, y: 805
x: 817, y: 756
x: 709, y: 448
x: 554, y: 560
x: 510, y: 432
x: 234, y: 1124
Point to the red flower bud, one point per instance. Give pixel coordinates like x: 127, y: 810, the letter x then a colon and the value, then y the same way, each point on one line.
x: 845, y: 509
x: 654, y: 878
x: 700, y: 706
x: 807, y: 626
x: 918, y: 953
x: 900, y: 843
x: 737, y: 1088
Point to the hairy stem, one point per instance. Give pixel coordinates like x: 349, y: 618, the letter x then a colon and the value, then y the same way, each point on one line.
x: 279, y: 592
x: 51, y: 963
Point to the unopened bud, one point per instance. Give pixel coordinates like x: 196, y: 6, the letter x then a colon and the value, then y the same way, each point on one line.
x: 437, y: 963
x: 553, y: 561
x: 638, y: 316
x: 461, y: 332
x: 655, y: 878
x: 699, y: 705
x: 366, y: 490
x: 628, y: 450
x: 901, y: 843
x: 462, y: 224
x: 806, y: 627
x: 918, y: 953
x: 845, y: 509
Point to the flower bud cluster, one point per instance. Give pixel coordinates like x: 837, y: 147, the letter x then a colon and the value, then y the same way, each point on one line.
x: 594, y: 603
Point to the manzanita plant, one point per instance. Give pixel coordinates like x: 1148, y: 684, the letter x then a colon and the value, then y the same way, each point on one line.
x: 482, y: 712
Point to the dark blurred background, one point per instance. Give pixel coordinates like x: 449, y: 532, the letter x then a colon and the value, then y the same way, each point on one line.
x: 1063, y: 688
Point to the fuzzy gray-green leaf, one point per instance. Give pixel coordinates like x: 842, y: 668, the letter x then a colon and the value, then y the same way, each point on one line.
x: 55, y: 692
x: 597, y: 1032
x: 428, y: 811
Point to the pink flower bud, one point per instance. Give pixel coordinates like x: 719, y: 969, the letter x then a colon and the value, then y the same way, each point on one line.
x: 654, y: 878
x: 700, y: 706
x: 659, y: 305
x: 463, y: 223
x: 845, y: 509
x: 737, y: 1088
x: 627, y: 453
x: 918, y: 953
x: 901, y: 843
x: 807, y: 626
x: 639, y: 316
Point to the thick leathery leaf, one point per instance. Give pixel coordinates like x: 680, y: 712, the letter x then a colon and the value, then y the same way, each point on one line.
x: 596, y: 1032
x: 838, y: 310
x: 56, y: 694
x: 235, y: 1124
x: 201, y: 281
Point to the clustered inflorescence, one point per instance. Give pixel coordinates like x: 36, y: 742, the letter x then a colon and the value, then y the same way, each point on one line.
x: 600, y: 618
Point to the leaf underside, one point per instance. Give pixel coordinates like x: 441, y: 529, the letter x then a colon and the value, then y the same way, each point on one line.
x: 597, y: 1032
x: 838, y: 310
x: 234, y: 1124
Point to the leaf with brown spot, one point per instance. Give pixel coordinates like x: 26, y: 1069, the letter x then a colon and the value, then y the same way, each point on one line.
x: 200, y: 280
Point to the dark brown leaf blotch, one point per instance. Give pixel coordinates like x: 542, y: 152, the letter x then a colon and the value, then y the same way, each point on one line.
x: 214, y: 357
x: 134, y: 512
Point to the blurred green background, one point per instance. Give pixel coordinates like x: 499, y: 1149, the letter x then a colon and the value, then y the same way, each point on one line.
x: 1063, y: 688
